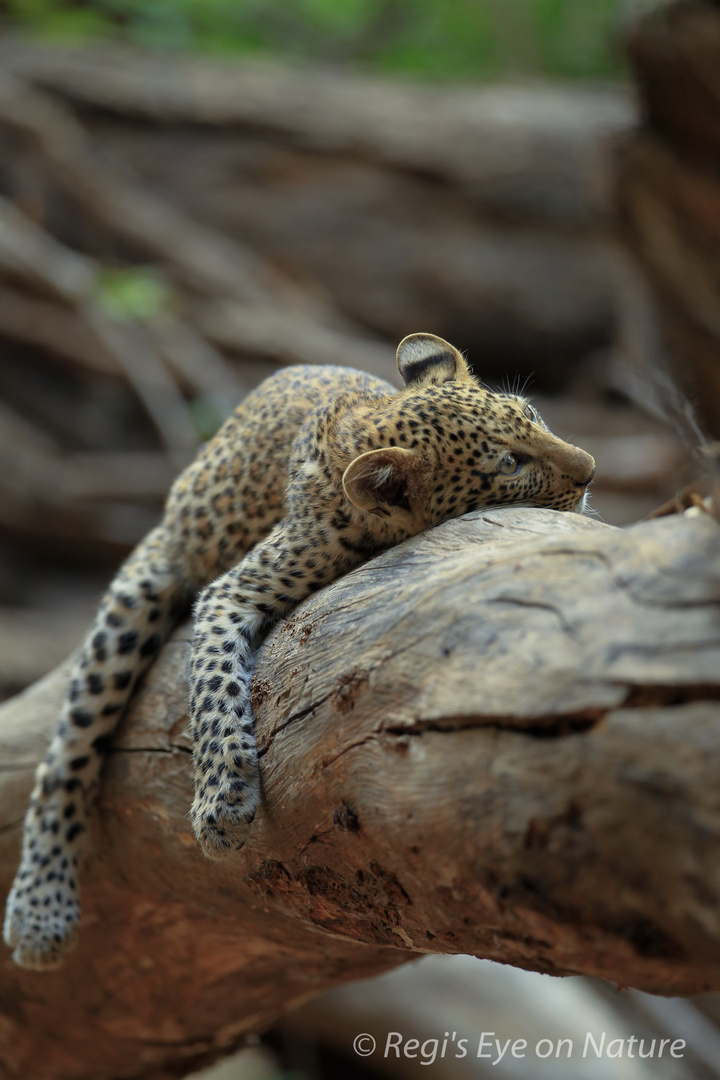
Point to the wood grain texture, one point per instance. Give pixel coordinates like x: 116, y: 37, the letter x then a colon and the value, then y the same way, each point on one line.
x: 500, y: 738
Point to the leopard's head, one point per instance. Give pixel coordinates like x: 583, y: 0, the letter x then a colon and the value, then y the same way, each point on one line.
x: 445, y: 445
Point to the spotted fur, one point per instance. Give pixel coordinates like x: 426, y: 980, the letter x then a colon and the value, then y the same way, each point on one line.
x: 318, y: 470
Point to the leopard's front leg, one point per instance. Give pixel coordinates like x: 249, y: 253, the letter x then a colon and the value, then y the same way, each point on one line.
x: 227, y: 782
x: 230, y: 616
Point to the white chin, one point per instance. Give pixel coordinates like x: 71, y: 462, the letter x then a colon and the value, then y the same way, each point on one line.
x: 581, y: 504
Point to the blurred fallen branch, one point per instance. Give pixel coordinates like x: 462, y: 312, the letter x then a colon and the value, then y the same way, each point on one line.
x: 59, y: 331
x: 130, y: 475
x: 348, y: 205
x: 207, y: 261
x: 31, y: 641
x: 196, y: 365
x: 527, y: 150
x: 66, y: 336
x: 134, y: 352
x: 31, y: 254
x: 203, y: 259
x: 80, y: 503
x: 265, y: 330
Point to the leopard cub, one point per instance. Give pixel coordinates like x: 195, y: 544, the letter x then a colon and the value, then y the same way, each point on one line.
x: 319, y: 469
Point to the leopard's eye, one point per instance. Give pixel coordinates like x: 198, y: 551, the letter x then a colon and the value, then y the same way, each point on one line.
x: 509, y: 465
x: 531, y: 412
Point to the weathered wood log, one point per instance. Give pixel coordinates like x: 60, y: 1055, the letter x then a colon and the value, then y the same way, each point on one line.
x: 500, y: 738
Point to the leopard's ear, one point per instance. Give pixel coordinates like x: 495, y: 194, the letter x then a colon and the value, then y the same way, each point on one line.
x: 424, y: 360
x: 379, y: 480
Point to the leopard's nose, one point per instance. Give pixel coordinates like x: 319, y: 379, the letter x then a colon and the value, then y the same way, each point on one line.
x: 578, y: 466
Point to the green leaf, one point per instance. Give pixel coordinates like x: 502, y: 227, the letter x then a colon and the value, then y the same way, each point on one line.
x: 131, y: 294
x: 208, y: 414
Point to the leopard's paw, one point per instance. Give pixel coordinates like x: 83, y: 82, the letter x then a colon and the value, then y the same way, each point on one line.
x: 221, y: 818
x: 41, y: 922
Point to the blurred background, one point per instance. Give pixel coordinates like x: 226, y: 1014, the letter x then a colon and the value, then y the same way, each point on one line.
x: 196, y: 192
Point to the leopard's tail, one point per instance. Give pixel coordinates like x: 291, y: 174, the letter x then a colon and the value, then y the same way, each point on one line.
x: 141, y: 607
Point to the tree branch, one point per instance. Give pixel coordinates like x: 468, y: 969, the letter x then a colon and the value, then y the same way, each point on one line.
x: 500, y: 738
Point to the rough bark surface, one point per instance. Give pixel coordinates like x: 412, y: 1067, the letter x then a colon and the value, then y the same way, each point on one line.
x: 501, y: 738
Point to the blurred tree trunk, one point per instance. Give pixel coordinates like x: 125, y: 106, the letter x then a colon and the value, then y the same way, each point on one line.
x: 668, y: 200
x: 500, y: 738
